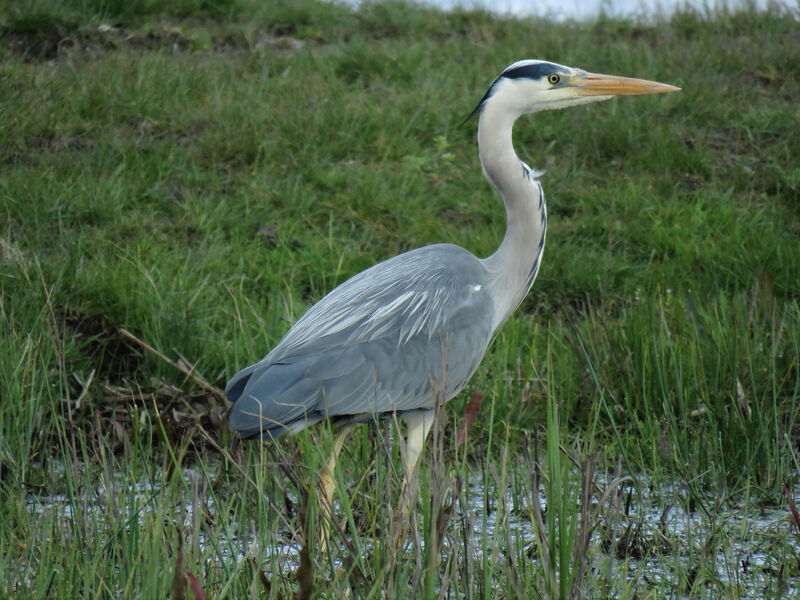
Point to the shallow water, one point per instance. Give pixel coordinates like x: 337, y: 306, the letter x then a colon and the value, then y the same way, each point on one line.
x: 748, y: 545
x: 758, y: 541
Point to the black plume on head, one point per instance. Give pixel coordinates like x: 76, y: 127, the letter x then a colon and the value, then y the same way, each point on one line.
x: 532, y: 70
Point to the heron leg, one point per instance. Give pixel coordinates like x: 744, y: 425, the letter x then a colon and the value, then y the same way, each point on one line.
x: 327, y: 483
x: 419, y: 424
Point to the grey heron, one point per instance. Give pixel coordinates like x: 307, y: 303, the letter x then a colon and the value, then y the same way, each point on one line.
x: 389, y: 339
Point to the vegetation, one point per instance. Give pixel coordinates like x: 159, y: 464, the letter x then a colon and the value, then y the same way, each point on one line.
x: 179, y: 184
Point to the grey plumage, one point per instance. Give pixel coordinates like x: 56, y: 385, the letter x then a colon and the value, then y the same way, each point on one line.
x: 383, y: 341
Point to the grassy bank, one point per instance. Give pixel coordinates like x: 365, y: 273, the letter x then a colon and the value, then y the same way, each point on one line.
x: 198, y: 177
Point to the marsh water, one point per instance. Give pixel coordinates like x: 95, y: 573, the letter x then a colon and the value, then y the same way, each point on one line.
x: 750, y: 546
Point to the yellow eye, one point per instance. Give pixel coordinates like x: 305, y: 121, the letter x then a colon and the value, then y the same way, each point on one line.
x: 553, y: 79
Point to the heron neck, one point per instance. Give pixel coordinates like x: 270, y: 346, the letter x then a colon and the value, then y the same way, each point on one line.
x: 514, y: 265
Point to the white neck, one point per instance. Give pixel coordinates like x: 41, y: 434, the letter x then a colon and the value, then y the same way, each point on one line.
x: 514, y: 265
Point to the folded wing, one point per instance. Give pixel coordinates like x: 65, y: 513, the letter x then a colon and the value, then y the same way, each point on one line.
x: 385, y: 341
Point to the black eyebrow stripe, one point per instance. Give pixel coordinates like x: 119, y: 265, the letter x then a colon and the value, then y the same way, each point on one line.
x: 532, y: 71
x: 535, y: 71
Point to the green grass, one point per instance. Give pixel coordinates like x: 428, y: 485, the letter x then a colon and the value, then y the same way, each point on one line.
x: 200, y: 175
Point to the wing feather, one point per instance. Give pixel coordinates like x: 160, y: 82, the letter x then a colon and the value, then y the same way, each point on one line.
x: 380, y: 342
x: 406, y: 296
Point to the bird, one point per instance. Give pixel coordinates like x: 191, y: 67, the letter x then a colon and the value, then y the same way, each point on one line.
x: 392, y: 339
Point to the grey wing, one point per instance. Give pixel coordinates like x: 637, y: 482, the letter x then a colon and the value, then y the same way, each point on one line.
x: 385, y: 340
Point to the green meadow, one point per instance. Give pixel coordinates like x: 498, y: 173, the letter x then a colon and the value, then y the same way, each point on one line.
x: 178, y: 185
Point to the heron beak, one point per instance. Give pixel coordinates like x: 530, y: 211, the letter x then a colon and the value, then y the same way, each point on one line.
x: 595, y: 84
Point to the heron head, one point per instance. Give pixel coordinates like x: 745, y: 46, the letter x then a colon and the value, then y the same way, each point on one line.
x: 532, y: 85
